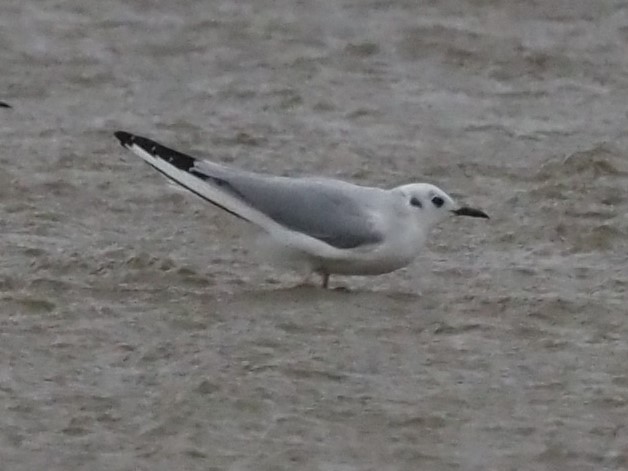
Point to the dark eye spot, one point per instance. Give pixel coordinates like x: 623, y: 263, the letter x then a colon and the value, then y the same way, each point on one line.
x: 416, y: 202
x: 438, y: 201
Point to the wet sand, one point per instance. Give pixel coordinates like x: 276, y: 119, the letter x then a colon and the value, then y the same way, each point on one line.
x: 138, y: 332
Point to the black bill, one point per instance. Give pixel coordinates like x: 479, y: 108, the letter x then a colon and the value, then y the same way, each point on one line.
x: 472, y: 212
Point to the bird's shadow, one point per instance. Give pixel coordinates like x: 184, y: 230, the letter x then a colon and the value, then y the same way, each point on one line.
x: 304, y: 292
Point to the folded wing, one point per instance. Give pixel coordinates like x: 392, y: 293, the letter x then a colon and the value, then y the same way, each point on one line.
x: 329, y: 211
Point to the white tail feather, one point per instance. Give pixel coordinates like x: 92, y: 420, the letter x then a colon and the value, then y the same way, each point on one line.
x: 206, y: 190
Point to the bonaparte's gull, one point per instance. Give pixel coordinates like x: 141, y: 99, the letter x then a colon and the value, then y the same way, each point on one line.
x: 321, y: 225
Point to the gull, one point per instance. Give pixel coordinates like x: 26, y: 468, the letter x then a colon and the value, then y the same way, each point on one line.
x: 320, y: 225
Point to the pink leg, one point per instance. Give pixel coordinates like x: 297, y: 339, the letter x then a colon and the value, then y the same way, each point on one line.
x: 325, y: 280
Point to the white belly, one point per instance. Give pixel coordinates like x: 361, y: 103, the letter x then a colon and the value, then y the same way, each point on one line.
x: 393, y: 254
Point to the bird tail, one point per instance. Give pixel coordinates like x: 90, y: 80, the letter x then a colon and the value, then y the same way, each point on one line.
x: 188, y: 172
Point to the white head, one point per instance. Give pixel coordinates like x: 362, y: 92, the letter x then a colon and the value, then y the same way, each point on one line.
x: 432, y: 204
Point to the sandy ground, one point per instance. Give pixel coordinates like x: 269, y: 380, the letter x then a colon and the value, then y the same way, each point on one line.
x: 137, y: 333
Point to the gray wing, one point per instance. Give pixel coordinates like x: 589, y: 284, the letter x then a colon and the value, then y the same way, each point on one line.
x: 331, y: 211
x: 334, y: 212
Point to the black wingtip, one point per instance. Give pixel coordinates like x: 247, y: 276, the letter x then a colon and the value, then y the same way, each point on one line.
x: 125, y: 138
x: 173, y: 157
x: 4, y: 105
